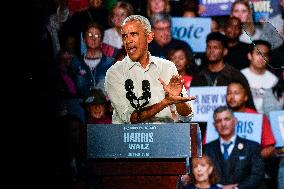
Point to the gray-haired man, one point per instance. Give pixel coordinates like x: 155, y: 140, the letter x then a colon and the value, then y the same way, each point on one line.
x: 166, y: 86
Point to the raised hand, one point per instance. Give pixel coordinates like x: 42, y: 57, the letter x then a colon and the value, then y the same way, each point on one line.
x: 174, y: 87
x: 173, y: 90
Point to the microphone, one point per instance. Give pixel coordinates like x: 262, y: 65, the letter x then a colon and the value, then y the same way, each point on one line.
x: 130, y: 94
x: 146, y: 95
x: 134, y: 101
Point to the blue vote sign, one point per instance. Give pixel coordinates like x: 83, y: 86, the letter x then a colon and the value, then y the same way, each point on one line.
x: 192, y: 30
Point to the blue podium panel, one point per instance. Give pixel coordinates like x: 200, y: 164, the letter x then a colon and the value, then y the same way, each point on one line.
x: 139, y: 140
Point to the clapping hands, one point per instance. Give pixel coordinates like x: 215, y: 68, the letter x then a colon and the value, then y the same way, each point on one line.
x: 174, y: 89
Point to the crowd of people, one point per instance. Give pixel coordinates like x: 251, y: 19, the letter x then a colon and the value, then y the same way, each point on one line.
x: 89, y: 54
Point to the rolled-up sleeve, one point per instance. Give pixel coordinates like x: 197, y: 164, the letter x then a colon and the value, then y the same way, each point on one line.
x: 115, y: 88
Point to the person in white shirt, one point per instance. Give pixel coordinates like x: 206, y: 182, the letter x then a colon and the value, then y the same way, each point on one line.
x: 259, y: 78
x: 118, y: 13
x: 166, y: 86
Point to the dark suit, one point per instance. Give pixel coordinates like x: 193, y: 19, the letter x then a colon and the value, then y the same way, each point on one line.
x: 243, y: 167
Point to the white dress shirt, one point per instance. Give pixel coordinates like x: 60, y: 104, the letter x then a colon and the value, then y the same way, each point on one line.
x: 231, y: 147
x: 127, y: 69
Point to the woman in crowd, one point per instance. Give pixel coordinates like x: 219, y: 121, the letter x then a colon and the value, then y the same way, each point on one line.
x: 184, y: 63
x: 203, y: 175
x: 118, y: 13
x: 157, y: 6
x: 91, y: 69
x: 242, y: 10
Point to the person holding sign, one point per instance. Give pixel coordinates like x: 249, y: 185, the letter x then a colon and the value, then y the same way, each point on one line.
x: 237, y: 98
x: 139, y: 70
x: 238, y: 161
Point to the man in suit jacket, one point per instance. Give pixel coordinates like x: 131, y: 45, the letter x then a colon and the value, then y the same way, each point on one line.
x: 239, y: 165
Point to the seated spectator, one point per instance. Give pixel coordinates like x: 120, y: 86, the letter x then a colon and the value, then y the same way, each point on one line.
x: 118, y: 13
x: 80, y: 20
x: 238, y: 161
x: 203, y: 174
x: 91, y: 69
x: 237, y: 50
x: 157, y: 6
x: 217, y: 73
x: 259, y: 78
x: 242, y: 10
x: 184, y: 63
x: 237, y: 99
x: 163, y: 41
x: 98, y: 108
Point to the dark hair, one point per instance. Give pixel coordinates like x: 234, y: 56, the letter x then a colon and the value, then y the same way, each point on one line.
x: 278, y: 89
x: 191, y: 6
x: 221, y: 109
x: 95, y: 96
x: 233, y: 18
x: 60, y: 54
x: 190, y: 66
x: 249, y: 103
x: 260, y: 42
x: 94, y: 25
x: 218, y: 37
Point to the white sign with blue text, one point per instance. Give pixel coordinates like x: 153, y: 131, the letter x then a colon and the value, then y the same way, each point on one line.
x: 192, y: 30
x: 207, y: 100
x: 277, y: 125
x: 249, y: 126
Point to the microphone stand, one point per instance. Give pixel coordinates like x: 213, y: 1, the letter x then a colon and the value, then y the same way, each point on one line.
x: 130, y: 95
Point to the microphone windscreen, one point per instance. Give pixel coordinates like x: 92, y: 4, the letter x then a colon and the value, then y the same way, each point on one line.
x: 129, y: 85
x: 146, y: 85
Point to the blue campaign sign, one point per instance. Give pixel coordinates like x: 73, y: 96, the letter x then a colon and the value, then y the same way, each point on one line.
x: 192, y: 30
x: 262, y: 9
x: 249, y: 126
x: 216, y: 7
x: 277, y: 125
x: 207, y: 100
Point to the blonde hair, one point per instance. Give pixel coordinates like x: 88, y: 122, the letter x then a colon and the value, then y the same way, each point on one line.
x: 123, y: 5
x: 166, y: 8
x: 249, y: 24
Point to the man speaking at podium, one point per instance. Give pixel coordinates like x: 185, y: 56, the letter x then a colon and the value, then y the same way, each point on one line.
x: 141, y: 87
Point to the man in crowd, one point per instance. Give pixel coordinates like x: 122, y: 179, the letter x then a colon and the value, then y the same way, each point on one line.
x: 217, y: 72
x: 163, y: 41
x: 259, y: 78
x: 237, y: 50
x: 238, y: 161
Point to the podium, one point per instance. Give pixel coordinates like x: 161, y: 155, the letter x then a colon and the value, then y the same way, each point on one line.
x: 137, y: 156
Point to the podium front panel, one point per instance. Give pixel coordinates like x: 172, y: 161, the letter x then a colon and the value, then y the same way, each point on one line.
x: 138, y: 140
